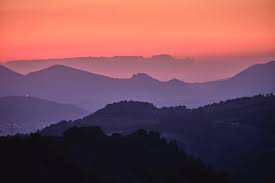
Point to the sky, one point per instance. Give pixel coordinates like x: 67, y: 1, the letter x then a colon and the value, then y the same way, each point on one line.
x: 32, y: 29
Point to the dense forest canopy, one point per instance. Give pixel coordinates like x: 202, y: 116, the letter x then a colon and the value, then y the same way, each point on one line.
x: 87, y: 155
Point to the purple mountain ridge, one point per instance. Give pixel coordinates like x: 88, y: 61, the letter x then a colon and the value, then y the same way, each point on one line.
x: 28, y: 114
x: 92, y: 91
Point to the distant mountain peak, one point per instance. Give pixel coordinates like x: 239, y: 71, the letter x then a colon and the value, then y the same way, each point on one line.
x: 60, y: 67
x: 127, y: 109
x: 67, y: 71
x: 4, y: 71
x: 56, y: 68
x: 162, y: 57
x: 128, y: 57
x: 142, y: 76
x: 2, y: 67
x: 260, y: 70
x: 176, y: 81
x: 131, y: 103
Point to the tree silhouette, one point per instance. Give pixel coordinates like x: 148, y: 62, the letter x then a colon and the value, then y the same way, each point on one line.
x: 86, y: 155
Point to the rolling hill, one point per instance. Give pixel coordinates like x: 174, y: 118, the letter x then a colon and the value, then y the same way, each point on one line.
x: 28, y: 114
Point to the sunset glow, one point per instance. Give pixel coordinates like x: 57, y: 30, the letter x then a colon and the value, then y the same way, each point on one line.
x: 66, y: 28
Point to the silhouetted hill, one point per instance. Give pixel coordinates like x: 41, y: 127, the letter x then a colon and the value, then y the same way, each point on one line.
x: 258, y: 78
x: 9, y: 82
x: 63, y: 71
x: 257, y: 111
x: 162, y: 57
x: 87, y: 155
x: 236, y: 135
x: 26, y: 114
x: 126, y: 110
x: 142, y: 77
x: 262, y: 71
x: 7, y: 73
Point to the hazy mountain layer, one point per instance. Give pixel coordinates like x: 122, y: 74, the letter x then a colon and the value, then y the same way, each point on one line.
x: 91, y: 91
x: 28, y: 114
x: 162, y: 67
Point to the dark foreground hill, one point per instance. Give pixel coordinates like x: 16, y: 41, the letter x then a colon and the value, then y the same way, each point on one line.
x: 27, y: 114
x: 253, y: 112
x: 236, y: 135
x: 87, y: 155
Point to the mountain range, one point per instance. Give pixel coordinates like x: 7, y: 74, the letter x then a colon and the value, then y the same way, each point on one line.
x: 28, y: 114
x: 117, y: 66
x: 162, y: 67
x: 92, y: 91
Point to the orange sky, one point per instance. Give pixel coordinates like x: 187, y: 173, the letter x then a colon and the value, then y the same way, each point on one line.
x: 67, y: 28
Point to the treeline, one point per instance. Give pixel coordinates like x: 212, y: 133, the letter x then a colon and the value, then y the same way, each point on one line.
x: 256, y: 111
x: 87, y: 155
